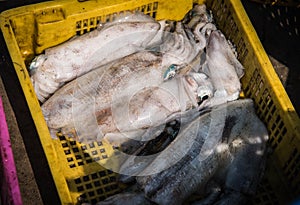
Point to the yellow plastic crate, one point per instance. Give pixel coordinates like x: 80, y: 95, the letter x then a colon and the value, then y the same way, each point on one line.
x: 30, y: 29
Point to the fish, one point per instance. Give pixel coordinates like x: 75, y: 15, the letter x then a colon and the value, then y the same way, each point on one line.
x: 223, y: 68
x: 126, y: 198
x: 60, y: 64
x: 215, y: 147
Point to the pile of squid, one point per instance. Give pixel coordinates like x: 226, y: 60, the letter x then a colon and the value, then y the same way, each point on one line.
x: 165, y: 95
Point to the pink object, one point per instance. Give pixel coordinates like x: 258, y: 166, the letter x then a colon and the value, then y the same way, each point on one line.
x: 10, y: 190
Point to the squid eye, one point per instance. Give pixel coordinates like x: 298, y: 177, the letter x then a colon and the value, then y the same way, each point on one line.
x: 205, y: 97
x: 170, y: 72
x: 204, y: 93
x: 37, y: 62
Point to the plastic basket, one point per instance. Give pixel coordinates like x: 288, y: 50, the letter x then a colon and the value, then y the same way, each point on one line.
x: 29, y: 30
x: 9, y: 187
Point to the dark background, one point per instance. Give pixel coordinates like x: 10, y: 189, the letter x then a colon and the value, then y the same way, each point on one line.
x: 276, y: 26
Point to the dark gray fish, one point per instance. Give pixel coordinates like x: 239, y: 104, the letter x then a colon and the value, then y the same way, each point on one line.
x: 227, y: 199
x: 216, y: 146
x: 126, y: 199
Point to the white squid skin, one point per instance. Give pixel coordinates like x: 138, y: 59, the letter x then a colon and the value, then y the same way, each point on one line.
x: 180, y: 49
x: 59, y: 110
x: 110, y: 42
x: 224, y: 70
x: 94, y: 88
x: 121, y: 87
x: 63, y: 63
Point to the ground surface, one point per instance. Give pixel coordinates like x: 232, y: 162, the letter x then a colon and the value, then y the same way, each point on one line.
x: 277, y: 28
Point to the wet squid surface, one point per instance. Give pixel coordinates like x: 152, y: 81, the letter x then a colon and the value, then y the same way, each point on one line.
x: 165, y: 94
